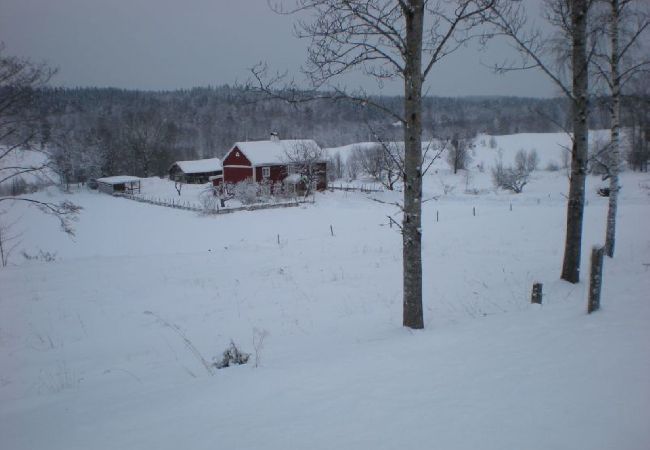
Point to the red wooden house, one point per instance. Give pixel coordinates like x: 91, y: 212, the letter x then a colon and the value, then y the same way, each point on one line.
x: 271, y: 161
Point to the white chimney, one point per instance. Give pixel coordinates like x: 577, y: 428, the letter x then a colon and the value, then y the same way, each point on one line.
x: 274, y: 136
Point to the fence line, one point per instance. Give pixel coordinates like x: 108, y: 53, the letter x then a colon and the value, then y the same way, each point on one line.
x: 187, y: 206
x: 363, y: 188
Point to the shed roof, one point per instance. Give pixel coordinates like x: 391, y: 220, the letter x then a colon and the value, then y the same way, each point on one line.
x: 200, y: 165
x: 271, y: 152
x: 118, y: 179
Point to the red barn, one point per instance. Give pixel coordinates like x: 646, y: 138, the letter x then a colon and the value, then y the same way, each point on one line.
x: 272, y: 160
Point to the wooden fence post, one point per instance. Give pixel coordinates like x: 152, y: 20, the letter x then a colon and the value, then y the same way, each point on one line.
x: 595, y: 279
x: 536, y: 295
x: 332, y: 230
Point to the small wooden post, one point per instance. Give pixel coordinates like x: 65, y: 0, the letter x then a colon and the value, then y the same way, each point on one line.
x: 278, y: 239
x: 474, y: 211
x: 595, y: 279
x: 437, y: 215
x: 536, y: 295
x: 332, y: 230
x: 510, y: 206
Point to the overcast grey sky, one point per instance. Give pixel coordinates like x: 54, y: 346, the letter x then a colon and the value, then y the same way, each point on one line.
x: 169, y: 44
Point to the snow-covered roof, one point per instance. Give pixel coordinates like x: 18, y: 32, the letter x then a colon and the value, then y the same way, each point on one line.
x: 200, y: 165
x: 118, y: 179
x: 273, y: 151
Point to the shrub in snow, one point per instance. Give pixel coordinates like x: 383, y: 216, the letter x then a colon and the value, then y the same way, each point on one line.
x: 552, y: 166
x: 40, y: 256
x: 209, y: 200
x: 515, y: 178
x: 258, y: 344
x: 246, y: 192
x: 214, y: 197
x: 265, y: 189
x: 532, y: 160
x: 231, y: 356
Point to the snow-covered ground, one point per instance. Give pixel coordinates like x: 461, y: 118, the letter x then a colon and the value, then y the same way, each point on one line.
x: 96, y: 347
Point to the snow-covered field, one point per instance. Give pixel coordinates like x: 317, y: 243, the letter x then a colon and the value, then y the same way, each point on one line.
x: 96, y: 347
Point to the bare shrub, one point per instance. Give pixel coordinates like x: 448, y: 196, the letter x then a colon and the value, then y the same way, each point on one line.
x: 9, y: 239
x: 512, y: 178
x: 447, y: 188
x: 209, y: 200
x: 353, y: 166
x: 258, y: 344
x: 335, y: 167
x: 231, y: 356
x: 246, y: 192
x: 532, y: 160
x: 381, y: 161
x: 552, y: 166
x: 40, y: 256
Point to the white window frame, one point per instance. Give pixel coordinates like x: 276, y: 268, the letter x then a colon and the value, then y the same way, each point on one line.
x: 266, y: 172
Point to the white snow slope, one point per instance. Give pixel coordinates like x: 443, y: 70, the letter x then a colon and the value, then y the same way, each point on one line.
x: 96, y: 348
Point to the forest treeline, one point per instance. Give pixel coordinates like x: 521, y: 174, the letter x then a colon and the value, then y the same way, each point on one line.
x: 104, y: 131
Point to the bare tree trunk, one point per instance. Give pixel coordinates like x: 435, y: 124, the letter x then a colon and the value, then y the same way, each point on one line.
x: 614, y: 155
x: 575, y: 205
x: 412, y: 222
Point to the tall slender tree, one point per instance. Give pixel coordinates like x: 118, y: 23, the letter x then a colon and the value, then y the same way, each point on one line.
x: 387, y: 40
x: 624, y: 25
x: 570, y: 17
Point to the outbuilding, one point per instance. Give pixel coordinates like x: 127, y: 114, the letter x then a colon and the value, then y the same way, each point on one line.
x: 198, y: 171
x: 119, y: 184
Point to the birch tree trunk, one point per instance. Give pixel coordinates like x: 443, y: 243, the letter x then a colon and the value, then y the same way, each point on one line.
x: 575, y: 205
x: 412, y: 221
x: 614, y: 155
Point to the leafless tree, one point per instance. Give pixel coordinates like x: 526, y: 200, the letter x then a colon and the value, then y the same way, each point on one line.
x: 570, y: 19
x: 514, y: 178
x: 387, y: 40
x: 19, y: 129
x: 459, y: 151
x: 335, y: 167
x: 383, y: 161
x: 9, y: 239
x: 624, y: 24
x: 148, y: 135
x: 637, y: 112
x: 306, y: 159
